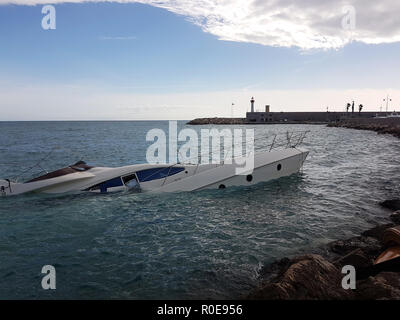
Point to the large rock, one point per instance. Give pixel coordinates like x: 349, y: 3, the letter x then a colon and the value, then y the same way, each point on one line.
x: 371, y: 246
x: 357, y: 258
x: 393, y: 204
x: 377, y: 232
x: 306, y: 277
x: 275, y: 269
x: 395, y: 217
x: 385, y: 285
x: 217, y: 121
x: 380, y: 125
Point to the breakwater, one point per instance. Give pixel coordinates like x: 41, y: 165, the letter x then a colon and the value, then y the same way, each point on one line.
x: 242, y: 121
x: 318, y: 275
x: 380, y: 125
x: 332, y: 118
x: 205, y: 121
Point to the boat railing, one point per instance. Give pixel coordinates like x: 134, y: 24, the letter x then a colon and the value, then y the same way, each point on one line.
x: 287, y: 140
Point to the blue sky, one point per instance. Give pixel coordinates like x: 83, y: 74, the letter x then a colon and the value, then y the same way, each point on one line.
x: 136, y: 61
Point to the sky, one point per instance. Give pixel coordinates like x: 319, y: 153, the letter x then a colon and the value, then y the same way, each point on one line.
x: 181, y: 59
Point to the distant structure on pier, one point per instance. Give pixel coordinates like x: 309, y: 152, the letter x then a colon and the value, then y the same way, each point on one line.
x: 252, y: 104
x: 312, y: 117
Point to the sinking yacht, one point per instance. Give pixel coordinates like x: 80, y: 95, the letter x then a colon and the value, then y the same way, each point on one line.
x: 80, y: 177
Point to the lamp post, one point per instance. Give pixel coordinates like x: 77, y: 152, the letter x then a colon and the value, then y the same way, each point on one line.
x: 387, y: 103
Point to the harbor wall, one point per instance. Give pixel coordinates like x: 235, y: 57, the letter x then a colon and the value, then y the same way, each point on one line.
x: 262, y: 117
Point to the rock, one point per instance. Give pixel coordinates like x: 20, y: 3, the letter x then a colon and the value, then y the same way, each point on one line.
x: 385, y: 285
x: 315, y: 277
x: 393, y: 204
x: 356, y: 258
x: 306, y: 277
x: 370, y: 246
x: 217, y: 121
x: 378, y: 231
x: 275, y: 269
x: 380, y: 125
x: 395, y: 217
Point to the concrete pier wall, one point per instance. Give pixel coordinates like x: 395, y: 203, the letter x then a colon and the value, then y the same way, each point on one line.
x: 261, y: 117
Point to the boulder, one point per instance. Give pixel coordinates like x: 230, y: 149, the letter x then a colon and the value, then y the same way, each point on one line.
x: 217, y: 121
x: 395, y: 217
x: 377, y: 232
x: 371, y: 246
x: 357, y: 258
x: 385, y: 285
x: 393, y: 204
x: 312, y: 276
x: 308, y: 277
x: 275, y: 269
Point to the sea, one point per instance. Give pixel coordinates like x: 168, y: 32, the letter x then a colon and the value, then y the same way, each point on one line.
x: 207, y: 244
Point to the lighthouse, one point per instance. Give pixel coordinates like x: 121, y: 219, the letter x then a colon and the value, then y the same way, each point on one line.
x: 252, y: 104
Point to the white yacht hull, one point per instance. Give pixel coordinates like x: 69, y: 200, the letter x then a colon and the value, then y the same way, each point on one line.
x: 162, y: 178
x: 222, y: 176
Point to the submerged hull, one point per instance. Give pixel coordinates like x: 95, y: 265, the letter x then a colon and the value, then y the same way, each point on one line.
x: 267, y: 166
x: 266, y: 172
x: 162, y: 178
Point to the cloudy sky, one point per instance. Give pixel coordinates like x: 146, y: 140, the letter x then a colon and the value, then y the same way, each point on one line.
x: 180, y: 59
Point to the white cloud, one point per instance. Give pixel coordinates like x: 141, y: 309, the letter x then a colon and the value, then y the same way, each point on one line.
x: 307, y: 24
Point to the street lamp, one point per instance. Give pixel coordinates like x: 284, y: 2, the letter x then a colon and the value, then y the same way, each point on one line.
x: 387, y: 103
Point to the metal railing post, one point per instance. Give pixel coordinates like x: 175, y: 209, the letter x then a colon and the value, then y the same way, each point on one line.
x: 273, y: 142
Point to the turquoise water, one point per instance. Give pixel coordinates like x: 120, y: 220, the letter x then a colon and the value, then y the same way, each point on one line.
x: 207, y: 244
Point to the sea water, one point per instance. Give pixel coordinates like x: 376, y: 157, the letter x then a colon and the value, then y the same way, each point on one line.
x: 187, y: 245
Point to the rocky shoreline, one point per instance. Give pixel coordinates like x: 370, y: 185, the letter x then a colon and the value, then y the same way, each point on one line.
x: 318, y: 275
x: 242, y: 121
x: 380, y: 125
x: 218, y: 121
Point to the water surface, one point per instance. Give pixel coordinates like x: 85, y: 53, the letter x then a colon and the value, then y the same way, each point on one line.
x: 207, y: 244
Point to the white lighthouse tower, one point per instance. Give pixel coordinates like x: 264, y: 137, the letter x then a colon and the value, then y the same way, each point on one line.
x: 252, y: 104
